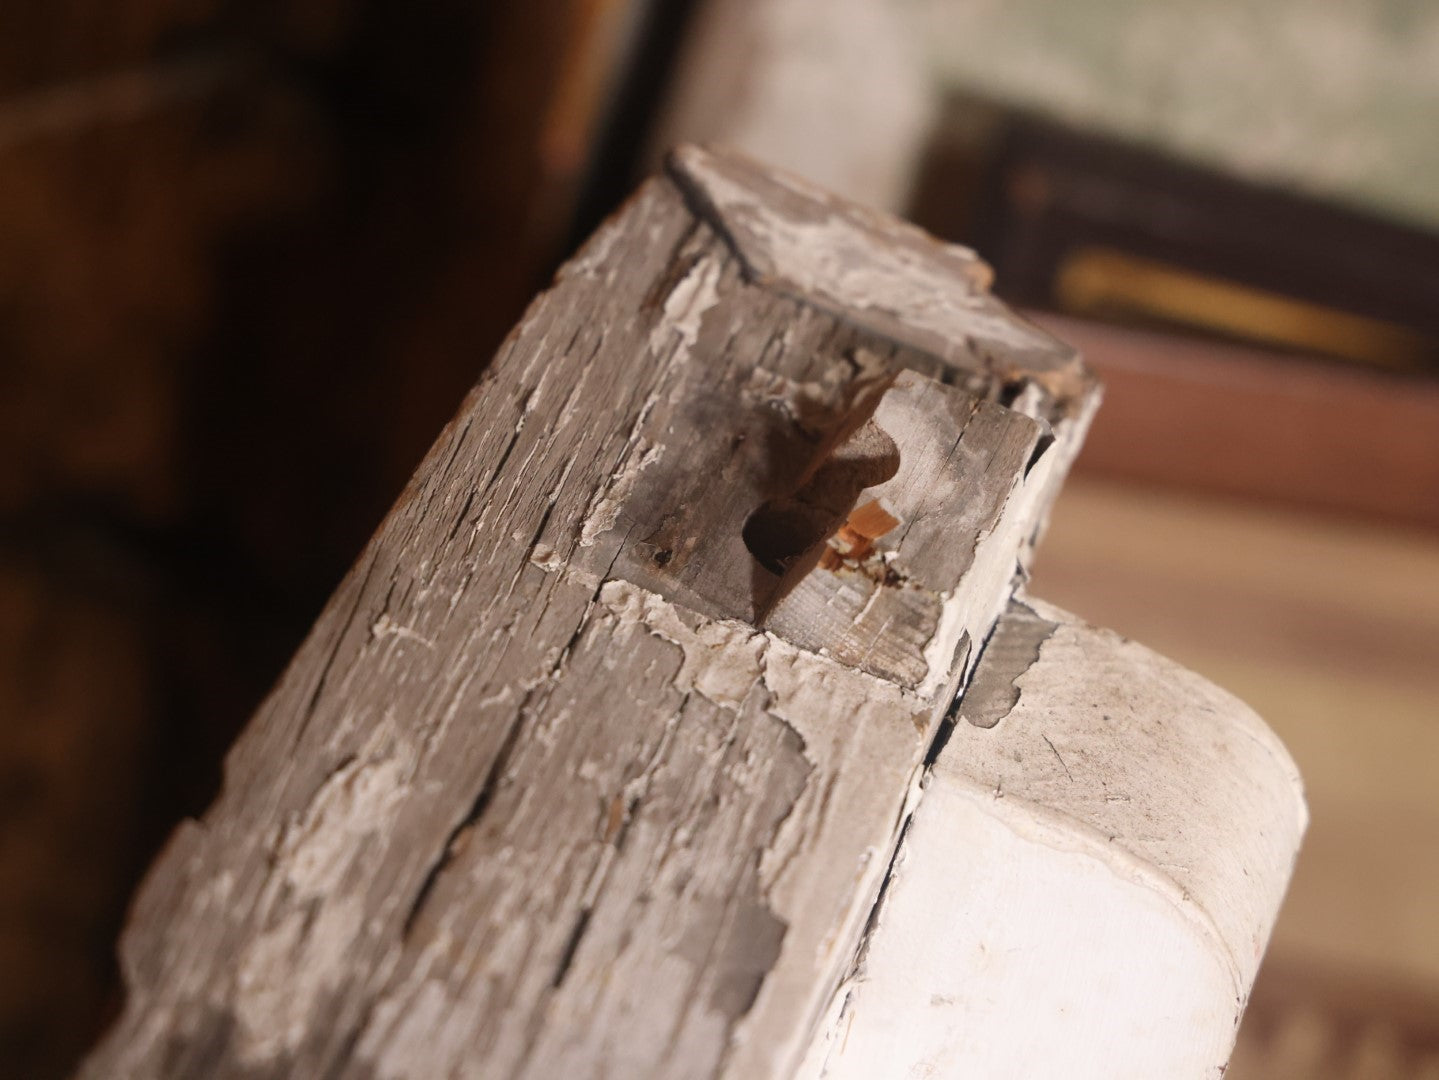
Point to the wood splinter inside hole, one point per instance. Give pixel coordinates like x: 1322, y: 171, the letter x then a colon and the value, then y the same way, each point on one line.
x: 854, y: 542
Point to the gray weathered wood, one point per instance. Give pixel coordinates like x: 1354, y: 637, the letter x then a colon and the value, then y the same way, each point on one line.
x: 595, y: 762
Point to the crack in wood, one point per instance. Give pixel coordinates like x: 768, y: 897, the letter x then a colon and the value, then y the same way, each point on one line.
x: 334, y: 651
x: 572, y: 945
x: 483, y: 797
x: 1057, y: 757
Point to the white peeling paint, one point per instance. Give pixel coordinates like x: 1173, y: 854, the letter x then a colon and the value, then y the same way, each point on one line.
x: 273, y: 1014
x: 863, y: 737
x: 357, y: 801
x: 600, y: 518
x: 384, y: 627
x: 685, y: 307
x: 313, y: 948
x: 722, y: 659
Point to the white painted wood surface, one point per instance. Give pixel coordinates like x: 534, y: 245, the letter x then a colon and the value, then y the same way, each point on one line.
x: 1088, y: 881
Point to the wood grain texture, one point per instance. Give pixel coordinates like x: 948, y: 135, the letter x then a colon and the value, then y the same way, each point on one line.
x: 568, y: 778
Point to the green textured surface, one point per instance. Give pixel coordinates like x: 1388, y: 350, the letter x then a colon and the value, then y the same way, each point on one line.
x: 1338, y: 98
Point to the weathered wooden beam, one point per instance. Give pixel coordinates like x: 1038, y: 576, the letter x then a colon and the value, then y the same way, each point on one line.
x: 571, y: 769
x: 597, y: 761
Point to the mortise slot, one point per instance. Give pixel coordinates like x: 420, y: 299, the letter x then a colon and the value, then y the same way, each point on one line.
x: 783, y: 531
